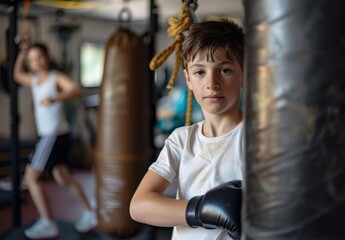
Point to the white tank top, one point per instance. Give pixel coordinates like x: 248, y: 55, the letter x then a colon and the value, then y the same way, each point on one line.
x: 50, y: 119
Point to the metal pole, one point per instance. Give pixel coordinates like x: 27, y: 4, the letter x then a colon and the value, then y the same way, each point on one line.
x: 152, y: 93
x: 152, y: 33
x: 12, y: 53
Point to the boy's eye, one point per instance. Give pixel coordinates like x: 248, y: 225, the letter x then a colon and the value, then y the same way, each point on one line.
x: 199, y: 73
x: 225, y: 71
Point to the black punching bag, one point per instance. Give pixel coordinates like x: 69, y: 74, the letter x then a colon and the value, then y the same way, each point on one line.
x: 123, y: 149
x: 295, y: 120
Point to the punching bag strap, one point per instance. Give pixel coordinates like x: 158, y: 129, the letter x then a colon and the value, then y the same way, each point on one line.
x: 25, y: 24
x: 125, y: 14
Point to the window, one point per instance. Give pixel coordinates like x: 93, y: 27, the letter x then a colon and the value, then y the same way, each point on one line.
x: 91, y: 63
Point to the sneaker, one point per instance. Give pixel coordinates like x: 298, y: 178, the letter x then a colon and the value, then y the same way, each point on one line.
x: 6, y: 185
x: 43, y: 228
x: 87, y: 221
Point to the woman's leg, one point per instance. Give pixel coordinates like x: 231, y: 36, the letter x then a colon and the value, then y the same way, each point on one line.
x: 88, y: 218
x: 63, y: 177
x: 37, y: 192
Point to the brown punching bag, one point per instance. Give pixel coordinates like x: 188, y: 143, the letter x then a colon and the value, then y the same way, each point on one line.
x: 122, y: 150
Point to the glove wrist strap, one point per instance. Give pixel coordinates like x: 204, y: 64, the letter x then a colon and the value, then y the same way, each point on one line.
x: 192, y: 217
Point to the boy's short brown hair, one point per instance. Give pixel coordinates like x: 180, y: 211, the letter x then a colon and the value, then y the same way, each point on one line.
x: 213, y: 35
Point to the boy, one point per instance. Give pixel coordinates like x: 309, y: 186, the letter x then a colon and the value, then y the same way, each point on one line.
x: 49, y: 89
x: 207, y: 154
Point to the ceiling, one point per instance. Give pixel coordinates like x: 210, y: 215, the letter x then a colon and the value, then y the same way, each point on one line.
x: 139, y: 9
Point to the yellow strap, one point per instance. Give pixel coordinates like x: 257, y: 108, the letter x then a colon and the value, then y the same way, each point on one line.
x: 68, y: 4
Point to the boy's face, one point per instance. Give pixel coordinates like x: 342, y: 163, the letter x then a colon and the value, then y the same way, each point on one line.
x: 216, y: 85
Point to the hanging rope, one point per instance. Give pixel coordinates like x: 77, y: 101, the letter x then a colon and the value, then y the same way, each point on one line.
x: 175, y: 31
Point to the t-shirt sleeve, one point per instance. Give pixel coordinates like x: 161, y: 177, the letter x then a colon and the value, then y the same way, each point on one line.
x: 168, y: 161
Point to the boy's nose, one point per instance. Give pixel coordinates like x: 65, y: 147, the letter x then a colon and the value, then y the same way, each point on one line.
x: 212, y: 83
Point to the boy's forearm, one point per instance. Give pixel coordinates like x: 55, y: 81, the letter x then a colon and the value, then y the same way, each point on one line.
x: 70, y: 95
x: 158, y: 210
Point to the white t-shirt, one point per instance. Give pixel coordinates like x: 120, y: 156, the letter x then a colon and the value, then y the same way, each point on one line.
x: 199, y: 163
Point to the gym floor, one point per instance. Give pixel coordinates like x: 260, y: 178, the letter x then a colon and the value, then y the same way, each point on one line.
x: 66, y: 210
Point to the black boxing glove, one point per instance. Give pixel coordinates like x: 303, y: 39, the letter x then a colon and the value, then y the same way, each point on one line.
x: 220, y: 207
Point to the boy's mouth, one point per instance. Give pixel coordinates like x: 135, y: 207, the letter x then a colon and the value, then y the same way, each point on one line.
x: 213, y: 97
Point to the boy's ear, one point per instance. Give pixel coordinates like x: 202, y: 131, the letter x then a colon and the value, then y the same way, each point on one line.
x: 185, y: 72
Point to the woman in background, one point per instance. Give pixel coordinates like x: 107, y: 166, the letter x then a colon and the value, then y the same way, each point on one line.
x: 49, y: 89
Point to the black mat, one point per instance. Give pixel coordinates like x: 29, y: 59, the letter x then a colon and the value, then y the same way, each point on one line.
x: 67, y: 232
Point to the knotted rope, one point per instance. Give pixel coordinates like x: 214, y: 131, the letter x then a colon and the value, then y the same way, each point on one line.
x: 175, y: 31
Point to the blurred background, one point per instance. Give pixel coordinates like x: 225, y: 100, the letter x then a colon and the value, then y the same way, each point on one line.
x: 76, y: 33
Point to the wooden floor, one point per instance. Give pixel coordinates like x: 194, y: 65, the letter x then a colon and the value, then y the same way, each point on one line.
x: 66, y: 209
